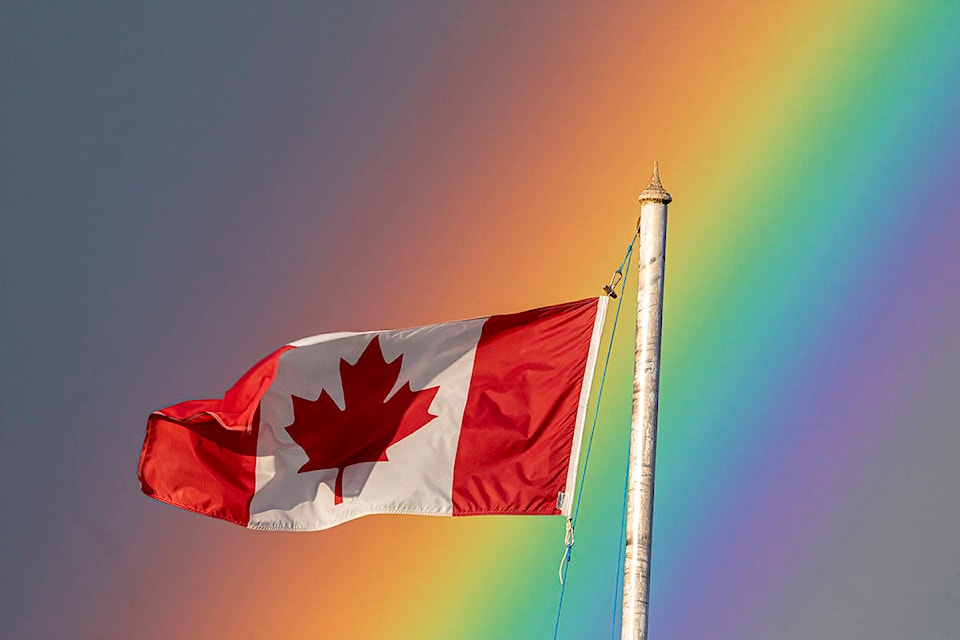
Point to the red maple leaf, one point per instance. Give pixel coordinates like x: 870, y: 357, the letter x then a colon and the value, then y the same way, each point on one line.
x: 369, y: 423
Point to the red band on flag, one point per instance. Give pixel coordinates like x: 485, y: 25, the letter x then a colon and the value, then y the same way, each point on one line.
x: 521, y: 412
x: 200, y: 455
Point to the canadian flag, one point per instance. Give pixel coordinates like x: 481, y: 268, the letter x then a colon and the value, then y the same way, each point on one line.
x: 461, y: 418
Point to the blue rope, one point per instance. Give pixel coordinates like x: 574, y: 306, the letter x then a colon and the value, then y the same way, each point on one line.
x: 603, y: 377
x: 620, y: 545
x: 624, y: 264
x: 618, y: 574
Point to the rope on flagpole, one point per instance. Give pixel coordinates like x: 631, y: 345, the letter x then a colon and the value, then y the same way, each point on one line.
x: 618, y: 573
x: 617, y: 278
x: 625, y: 264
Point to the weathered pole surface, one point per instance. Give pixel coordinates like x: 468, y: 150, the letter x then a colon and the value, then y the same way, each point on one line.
x: 643, y: 428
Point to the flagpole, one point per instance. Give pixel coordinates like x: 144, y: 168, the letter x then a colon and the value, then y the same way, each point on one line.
x: 652, y: 229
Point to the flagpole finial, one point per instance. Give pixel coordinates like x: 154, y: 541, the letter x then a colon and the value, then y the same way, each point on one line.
x: 655, y: 191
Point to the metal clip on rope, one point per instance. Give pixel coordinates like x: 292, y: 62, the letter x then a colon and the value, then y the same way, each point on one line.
x: 610, y: 289
x: 615, y: 279
x: 568, y: 541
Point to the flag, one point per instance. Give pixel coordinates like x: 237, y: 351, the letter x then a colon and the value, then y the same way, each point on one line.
x: 473, y: 417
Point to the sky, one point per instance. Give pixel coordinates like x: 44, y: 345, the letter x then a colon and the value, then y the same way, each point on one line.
x: 186, y: 187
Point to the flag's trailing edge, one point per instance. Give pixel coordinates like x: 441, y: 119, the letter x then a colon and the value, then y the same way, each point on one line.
x: 462, y: 418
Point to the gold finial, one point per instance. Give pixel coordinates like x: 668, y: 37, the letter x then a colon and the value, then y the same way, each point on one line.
x: 655, y: 191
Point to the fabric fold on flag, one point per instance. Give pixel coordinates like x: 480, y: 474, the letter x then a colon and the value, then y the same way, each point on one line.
x: 473, y: 417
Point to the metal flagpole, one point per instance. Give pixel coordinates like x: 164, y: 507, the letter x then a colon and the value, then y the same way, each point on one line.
x: 652, y: 228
